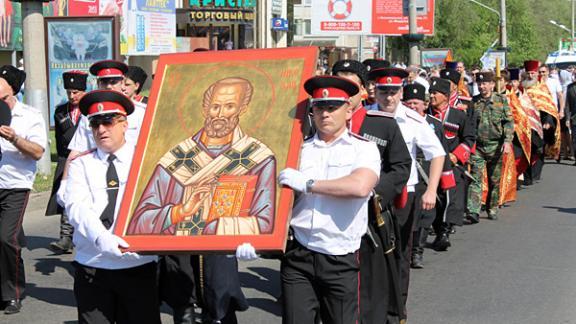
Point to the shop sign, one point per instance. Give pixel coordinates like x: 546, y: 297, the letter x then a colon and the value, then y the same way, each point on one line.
x: 221, y: 15
x: 277, y: 7
x: 231, y: 4
x: 280, y: 24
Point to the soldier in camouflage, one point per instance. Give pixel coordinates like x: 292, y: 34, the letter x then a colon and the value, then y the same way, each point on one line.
x: 495, y: 131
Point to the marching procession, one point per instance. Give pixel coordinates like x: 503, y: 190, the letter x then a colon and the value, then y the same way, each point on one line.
x: 393, y: 162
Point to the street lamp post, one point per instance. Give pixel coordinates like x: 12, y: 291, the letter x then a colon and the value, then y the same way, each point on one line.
x: 571, y: 31
x: 501, y: 20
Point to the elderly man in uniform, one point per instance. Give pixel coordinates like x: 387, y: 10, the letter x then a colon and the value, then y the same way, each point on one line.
x: 379, y: 286
x: 417, y: 135
x: 66, y: 117
x: 494, y: 138
x: 414, y: 97
x: 337, y: 173
x: 22, y: 143
x: 460, y: 137
x: 110, y: 286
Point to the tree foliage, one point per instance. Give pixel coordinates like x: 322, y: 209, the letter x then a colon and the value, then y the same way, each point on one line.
x: 469, y: 29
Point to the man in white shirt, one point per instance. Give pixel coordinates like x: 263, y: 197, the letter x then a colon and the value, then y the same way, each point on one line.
x: 417, y: 135
x: 22, y: 144
x: 337, y: 173
x: 110, y: 286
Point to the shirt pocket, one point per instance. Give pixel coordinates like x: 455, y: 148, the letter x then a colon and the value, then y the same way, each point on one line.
x: 340, y: 166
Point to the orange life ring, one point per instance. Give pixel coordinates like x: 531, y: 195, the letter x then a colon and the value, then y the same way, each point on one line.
x: 340, y: 9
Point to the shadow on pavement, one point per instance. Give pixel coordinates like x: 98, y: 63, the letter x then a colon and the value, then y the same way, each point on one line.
x: 267, y: 305
x: 54, y: 296
x: 561, y: 209
x: 47, y: 266
x: 38, y: 242
x: 268, y: 280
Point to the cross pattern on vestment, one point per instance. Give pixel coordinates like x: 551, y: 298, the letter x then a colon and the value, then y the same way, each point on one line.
x: 240, y: 158
x: 184, y: 159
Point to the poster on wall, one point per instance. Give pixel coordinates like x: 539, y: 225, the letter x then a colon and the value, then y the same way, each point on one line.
x: 10, y: 26
x: 150, y: 28
x: 218, y: 128
x: 431, y: 57
x: 341, y: 17
x: 74, y: 43
x: 364, y: 17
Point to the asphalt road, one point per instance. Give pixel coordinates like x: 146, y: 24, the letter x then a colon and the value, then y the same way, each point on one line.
x: 519, y: 269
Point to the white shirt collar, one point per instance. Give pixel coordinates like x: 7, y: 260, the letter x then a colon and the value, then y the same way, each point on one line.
x: 123, y: 154
x: 18, y: 109
x: 344, y: 137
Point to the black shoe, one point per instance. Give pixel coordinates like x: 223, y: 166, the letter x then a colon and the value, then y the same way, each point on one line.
x: 473, y: 218
x: 184, y: 315
x: 13, y: 306
x: 64, y: 245
x: 574, y: 163
x: 492, y: 215
x: 417, y: 261
x: 442, y: 242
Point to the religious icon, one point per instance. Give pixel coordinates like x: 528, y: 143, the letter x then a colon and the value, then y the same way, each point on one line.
x: 218, y: 127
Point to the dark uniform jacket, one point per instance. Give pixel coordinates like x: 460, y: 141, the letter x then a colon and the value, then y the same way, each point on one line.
x: 64, y: 129
x: 459, y: 132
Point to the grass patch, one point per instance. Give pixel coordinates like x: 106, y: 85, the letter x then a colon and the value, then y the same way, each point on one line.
x: 44, y: 182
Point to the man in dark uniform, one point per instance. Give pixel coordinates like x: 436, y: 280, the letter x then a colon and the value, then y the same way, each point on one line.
x: 414, y: 97
x: 379, y: 278
x: 460, y: 138
x: 134, y: 80
x: 372, y: 64
x: 66, y: 118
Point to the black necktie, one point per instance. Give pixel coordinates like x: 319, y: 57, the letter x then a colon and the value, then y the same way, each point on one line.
x: 112, y: 185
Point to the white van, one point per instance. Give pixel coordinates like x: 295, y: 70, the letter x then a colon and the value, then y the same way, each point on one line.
x: 561, y: 59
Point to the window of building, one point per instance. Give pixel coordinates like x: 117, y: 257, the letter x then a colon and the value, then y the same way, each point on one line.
x: 303, y: 26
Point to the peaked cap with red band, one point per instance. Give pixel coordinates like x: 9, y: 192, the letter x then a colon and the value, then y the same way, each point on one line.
x: 330, y: 90
x: 531, y: 65
x: 101, y: 102
x: 388, y: 77
x: 108, y: 69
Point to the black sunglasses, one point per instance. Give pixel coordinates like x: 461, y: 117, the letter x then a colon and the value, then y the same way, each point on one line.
x: 106, y: 120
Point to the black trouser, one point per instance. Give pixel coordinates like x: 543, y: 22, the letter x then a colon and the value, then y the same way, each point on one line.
x: 12, y: 206
x: 319, y: 284
x: 457, y: 204
x: 405, y: 218
x: 117, y: 296
x: 66, y: 229
x: 209, y: 280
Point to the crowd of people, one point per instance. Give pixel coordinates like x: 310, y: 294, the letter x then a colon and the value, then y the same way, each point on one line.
x: 391, y: 157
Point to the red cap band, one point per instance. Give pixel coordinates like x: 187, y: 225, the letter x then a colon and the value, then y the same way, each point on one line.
x: 389, y: 81
x: 330, y: 93
x: 105, y: 107
x: 110, y: 73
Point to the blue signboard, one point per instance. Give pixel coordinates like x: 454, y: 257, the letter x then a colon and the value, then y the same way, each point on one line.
x: 280, y: 24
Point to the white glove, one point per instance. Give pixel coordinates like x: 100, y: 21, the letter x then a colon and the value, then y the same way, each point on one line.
x: 60, y: 199
x: 246, y: 252
x: 131, y: 256
x: 109, y: 244
x: 293, y: 179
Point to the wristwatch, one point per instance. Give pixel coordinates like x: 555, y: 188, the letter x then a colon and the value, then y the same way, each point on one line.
x: 309, y: 185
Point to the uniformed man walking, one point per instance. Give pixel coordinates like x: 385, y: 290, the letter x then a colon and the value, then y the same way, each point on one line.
x: 417, y: 135
x: 22, y: 144
x: 495, y: 133
x: 379, y: 277
x: 337, y: 173
x: 460, y: 138
x: 110, y: 286
x: 66, y: 117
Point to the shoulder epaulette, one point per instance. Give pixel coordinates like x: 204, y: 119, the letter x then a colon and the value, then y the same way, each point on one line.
x: 83, y: 154
x: 379, y: 113
x: 362, y: 138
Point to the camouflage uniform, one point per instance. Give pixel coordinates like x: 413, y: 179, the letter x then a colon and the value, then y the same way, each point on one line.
x: 495, y: 127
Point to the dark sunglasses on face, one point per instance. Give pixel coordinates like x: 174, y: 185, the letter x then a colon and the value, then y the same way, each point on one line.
x: 106, y: 120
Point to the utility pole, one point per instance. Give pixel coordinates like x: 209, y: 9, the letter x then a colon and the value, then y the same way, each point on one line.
x: 413, y: 30
x: 572, y: 30
x: 35, y: 68
x: 503, y: 34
